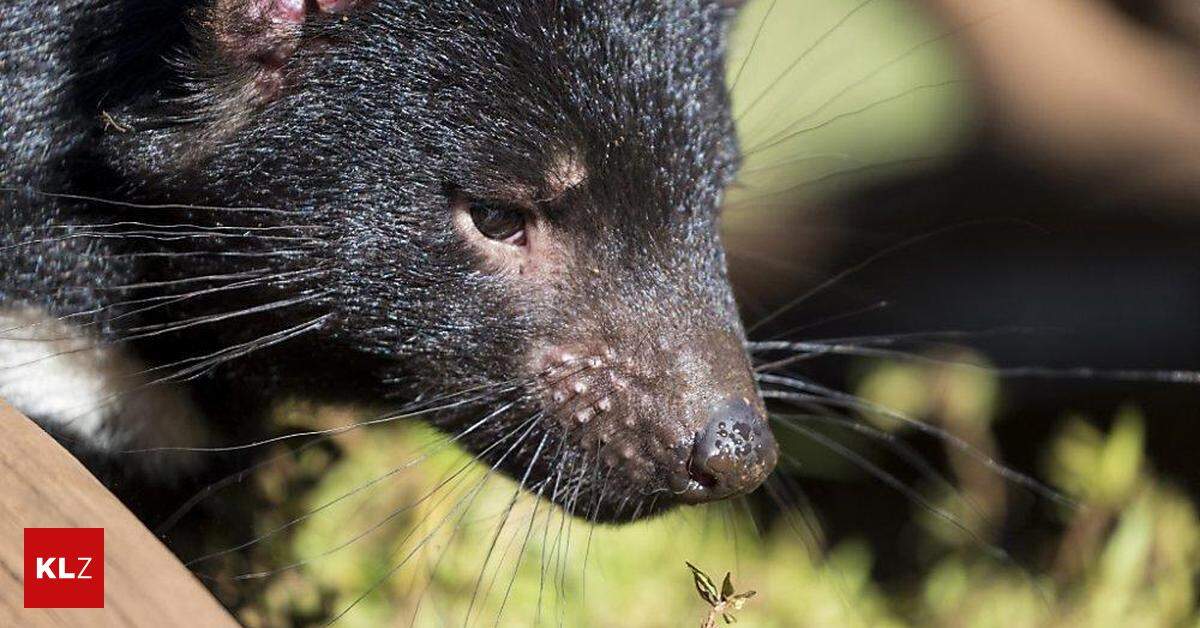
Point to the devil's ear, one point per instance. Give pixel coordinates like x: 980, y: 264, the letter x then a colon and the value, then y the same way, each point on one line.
x: 254, y: 39
x: 201, y: 72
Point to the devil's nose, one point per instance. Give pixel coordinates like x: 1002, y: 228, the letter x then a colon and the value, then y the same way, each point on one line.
x: 733, y: 454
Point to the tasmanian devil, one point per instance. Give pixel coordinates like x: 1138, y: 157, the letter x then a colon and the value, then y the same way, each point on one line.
x: 503, y: 215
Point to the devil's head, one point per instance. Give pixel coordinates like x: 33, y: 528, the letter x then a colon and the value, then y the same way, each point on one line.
x: 518, y: 198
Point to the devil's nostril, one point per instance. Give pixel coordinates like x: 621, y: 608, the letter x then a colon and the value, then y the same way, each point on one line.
x: 698, y: 467
x: 702, y: 477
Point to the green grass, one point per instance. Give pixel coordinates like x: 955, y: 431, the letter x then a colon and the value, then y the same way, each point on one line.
x: 1128, y: 556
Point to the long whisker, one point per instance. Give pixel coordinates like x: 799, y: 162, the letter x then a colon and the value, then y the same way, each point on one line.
x: 205, y: 363
x: 127, y: 204
x: 458, y: 525
x: 158, y: 330
x: 753, y: 44
x: 453, y: 480
x: 554, y: 497
x: 333, y: 431
x: 800, y: 132
x: 800, y: 59
x: 441, y: 445
x: 945, y: 336
x: 156, y: 302
x: 905, y: 54
x: 413, y: 410
x: 895, y: 445
x: 895, y: 483
x: 1159, y: 376
x: 587, y: 550
x: 161, y: 236
x: 463, y: 505
x: 815, y: 393
x: 507, y: 511
x: 907, y: 243
x: 866, y: 309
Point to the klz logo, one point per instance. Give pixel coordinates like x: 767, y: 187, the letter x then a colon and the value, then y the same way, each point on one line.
x: 64, y: 567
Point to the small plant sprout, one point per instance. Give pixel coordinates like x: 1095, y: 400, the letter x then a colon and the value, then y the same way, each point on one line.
x: 724, y: 602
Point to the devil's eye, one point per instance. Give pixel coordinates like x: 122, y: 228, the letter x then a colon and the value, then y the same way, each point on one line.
x: 499, y: 222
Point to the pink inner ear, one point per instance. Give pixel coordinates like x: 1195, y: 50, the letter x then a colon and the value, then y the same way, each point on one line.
x: 336, y: 6
x: 279, y: 11
x: 294, y: 11
x: 263, y: 34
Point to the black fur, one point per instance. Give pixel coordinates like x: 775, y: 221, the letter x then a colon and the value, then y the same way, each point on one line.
x: 383, y: 116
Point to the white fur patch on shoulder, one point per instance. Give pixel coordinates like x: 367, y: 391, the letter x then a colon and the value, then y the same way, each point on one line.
x: 55, y: 374
x: 59, y: 375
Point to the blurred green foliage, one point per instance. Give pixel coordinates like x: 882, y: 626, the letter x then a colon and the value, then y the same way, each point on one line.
x: 1128, y: 556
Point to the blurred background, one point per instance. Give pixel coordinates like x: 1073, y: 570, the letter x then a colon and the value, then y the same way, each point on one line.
x: 993, y: 206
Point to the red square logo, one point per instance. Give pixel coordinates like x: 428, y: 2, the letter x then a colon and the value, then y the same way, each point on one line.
x: 64, y: 567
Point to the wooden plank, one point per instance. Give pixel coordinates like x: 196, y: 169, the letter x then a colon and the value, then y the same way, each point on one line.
x: 42, y: 486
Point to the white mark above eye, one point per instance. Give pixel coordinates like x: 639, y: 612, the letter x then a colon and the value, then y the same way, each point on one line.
x: 566, y: 172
